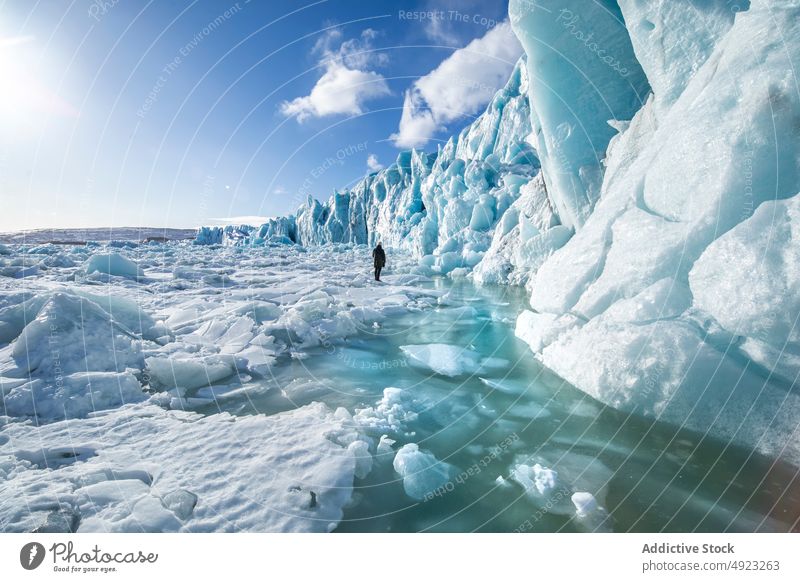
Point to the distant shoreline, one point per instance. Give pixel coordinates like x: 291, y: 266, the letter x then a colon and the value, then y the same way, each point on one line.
x: 80, y: 236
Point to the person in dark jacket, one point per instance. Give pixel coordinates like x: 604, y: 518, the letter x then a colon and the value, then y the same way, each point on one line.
x: 379, y: 260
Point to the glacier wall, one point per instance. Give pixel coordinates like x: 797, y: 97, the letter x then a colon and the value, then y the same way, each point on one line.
x: 639, y: 173
x: 676, y: 298
x: 442, y: 208
x: 583, y: 73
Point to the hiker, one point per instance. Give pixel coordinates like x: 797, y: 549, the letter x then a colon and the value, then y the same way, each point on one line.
x: 379, y: 259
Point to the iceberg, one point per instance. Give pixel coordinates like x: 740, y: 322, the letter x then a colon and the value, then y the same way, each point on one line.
x: 71, y: 334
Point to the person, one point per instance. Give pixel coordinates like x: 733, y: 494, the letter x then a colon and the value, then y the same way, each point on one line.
x: 379, y: 260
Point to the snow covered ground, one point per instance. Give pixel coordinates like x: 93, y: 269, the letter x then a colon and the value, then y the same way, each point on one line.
x: 119, y: 344
x: 277, y: 388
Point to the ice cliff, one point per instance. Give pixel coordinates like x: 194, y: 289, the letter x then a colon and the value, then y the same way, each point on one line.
x: 443, y: 208
x: 677, y: 297
x: 640, y: 174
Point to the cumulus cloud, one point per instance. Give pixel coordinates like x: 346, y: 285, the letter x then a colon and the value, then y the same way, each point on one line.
x: 373, y: 164
x: 346, y: 83
x: 461, y: 85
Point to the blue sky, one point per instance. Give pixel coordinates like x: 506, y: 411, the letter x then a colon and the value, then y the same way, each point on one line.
x: 128, y: 113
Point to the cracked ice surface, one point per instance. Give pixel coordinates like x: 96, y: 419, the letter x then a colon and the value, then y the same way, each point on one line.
x: 101, y: 367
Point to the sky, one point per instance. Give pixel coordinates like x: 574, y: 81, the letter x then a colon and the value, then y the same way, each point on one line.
x: 199, y: 112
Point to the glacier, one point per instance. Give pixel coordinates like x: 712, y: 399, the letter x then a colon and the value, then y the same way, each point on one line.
x: 638, y: 174
x: 625, y: 209
x: 628, y: 310
x: 442, y: 208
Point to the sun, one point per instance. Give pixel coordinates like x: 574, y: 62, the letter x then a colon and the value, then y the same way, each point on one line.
x: 26, y: 97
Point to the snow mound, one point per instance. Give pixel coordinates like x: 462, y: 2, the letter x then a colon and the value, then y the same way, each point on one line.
x: 71, y: 396
x: 154, y: 470
x: 71, y: 334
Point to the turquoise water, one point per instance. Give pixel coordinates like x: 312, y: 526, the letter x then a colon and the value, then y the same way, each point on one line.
x: 648, y: 476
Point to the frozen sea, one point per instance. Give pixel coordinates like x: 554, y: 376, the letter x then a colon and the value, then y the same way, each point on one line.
x: 172, y: 387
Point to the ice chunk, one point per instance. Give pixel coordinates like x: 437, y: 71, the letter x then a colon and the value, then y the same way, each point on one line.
x: 550, y: 480
x: 70, y: 335
x: 259, y: 360
x: 385, y: 446
x: 188, y: 372
x: 113, y: 264
x: 422, y: 473
x: 589, y: 514
x: 584, y: 503
x: 303, y: 390
x: 450, y: 360
x: 536, y: 478
x: 360, y: 450
x: 391, y: 414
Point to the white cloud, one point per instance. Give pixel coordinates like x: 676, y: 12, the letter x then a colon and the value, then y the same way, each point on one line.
x: 373, y: 164
x: 461, y: 85
x: 417, y: 124
x: 339, y: 91
x: 440, y: 30
x: 346, y: 83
